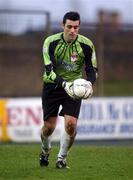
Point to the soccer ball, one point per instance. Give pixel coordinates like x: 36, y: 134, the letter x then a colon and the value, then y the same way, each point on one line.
x: 82, y: 89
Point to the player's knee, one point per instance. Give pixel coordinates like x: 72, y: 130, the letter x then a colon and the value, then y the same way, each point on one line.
x: 48, y: 130
x: 71, y: 128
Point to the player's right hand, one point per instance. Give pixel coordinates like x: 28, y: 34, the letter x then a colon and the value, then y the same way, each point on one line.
x: 68, y: 88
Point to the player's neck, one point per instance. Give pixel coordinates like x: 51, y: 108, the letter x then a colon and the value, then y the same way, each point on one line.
x: 68, y: 41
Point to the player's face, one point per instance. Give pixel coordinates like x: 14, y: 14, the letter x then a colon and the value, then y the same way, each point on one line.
x: 71, y: 29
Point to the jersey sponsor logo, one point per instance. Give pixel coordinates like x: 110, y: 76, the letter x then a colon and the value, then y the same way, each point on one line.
x: 74, y: 57
x: 68, y: 67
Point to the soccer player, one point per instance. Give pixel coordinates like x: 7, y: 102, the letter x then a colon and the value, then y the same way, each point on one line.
x: 64, y: 54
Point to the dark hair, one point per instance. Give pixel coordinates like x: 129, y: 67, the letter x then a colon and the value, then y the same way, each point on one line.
x: 72, y: 15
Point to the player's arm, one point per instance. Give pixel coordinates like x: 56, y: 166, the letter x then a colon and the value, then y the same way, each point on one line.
x: 50, y: 64
x: 94, y: 61
x: 90, y: 63
x: 50, y: 76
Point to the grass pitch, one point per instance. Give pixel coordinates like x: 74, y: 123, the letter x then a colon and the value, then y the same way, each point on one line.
x: 86, y: 162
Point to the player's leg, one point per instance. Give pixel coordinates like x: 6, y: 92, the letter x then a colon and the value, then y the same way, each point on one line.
x: 66, y: 141
x: 46, y: 132
x: 50, y: 106
x: 70, y: 111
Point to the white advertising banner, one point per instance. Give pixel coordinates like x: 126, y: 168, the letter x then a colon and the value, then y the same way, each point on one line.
x: 21, y: 120
x: 106, y: 118
x: 100, y: 118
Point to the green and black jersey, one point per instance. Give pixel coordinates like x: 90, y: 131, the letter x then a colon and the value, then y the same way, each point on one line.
x: 64, y: 61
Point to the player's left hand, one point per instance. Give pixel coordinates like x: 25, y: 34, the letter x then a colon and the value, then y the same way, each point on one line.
x: 68, y: 88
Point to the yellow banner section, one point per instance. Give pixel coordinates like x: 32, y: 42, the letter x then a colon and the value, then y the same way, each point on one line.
x: 3, y: 120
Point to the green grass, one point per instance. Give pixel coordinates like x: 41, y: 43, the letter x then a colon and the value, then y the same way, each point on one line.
x: 87, y: 162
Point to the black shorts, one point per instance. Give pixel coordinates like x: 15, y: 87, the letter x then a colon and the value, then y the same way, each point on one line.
x: 54, y: 96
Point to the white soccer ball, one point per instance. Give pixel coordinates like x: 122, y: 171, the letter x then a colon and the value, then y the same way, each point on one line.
x: 82, y: 89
